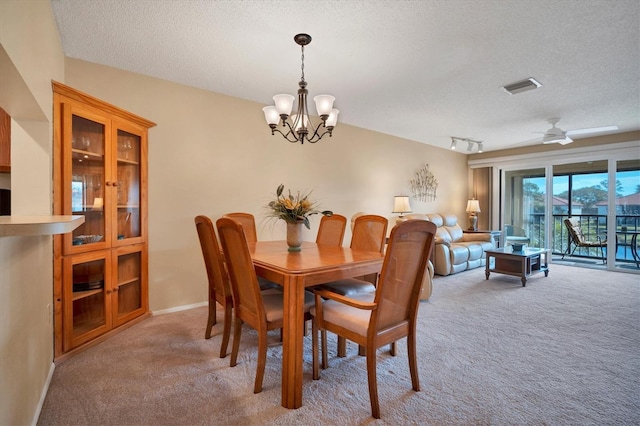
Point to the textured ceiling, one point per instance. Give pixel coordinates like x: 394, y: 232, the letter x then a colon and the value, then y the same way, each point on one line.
x: 421, y: 70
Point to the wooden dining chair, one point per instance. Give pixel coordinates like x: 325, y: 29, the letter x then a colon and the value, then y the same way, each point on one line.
x: 263, y: 311
x: 369, y: 233
x: 219, y: 288
x: 331, y: 230
x: 377, y: 319
x: 248, y: 222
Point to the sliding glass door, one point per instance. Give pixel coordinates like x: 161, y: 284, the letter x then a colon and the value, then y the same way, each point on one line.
x: 524, y: 207
x: 580, y: 192
x: 627, y: 213
x: 599, y: 190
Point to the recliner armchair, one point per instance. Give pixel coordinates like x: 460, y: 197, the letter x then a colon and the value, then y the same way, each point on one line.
x: 456, y: 251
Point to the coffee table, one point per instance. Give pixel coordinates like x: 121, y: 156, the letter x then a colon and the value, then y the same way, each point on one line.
x: 521, y: 264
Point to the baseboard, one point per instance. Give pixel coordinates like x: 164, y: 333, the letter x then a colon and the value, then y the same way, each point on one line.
x: 180, y: 308
x: 43, y: 395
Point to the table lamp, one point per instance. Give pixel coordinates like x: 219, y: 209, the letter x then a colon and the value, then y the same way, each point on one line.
x: 98, y: 204
x: 473, y: 207
x: 401, y: 205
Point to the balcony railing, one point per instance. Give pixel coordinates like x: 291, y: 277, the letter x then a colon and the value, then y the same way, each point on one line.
x: 592, y: 227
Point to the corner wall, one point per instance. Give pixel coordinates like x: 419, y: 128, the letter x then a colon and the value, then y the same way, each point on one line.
x: 30, y: 56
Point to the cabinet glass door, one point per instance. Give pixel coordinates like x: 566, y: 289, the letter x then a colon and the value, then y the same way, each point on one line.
x: 128, y: 290
x: 129, y: 176
x: 87, y: 314
x: 85, y: 181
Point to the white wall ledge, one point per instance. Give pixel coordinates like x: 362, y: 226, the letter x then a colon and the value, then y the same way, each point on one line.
x: 11, y: 226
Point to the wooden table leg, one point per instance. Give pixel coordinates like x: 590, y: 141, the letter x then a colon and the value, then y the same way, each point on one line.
x: 486, y: 266
x: 292, y: 342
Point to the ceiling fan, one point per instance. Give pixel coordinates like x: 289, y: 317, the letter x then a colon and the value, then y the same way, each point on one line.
x: 557, y: 135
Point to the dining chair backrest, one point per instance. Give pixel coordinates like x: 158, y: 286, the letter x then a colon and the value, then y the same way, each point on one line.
x: 369, y: 233
x: 398, y: 291
x: 219, y: 287
x: 213, y: 259
x: 248, y: 222
x: 331, y: 230
x: 244, y: 284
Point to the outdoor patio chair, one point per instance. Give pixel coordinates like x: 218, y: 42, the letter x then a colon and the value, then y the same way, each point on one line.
x: 577, y: 237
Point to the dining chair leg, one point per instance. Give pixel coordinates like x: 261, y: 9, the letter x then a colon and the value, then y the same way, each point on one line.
x: 342, y: 347
x: 314, y: 349
x: 373, y: 381
x: 211, y: 321
x: 361, y: 350
x: 226, y: 331
x: 262, y: 360
x: 325, y: 357
x: 237, y: 331
x: 393, y: 349
x: 413, y: 361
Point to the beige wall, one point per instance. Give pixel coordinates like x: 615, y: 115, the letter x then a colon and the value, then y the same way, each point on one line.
x: 212, y: 154
x: 30, y: 56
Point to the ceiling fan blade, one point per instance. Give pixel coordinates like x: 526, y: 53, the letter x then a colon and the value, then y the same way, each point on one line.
x: 566, y: 140
x: 592, y: 130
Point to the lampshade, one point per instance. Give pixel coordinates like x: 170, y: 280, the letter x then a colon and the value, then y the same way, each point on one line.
x: 324, y: 104
x: 284, y: 103
x: 98, y: 204
x: 271, y: 114
x: 401, y: 204
x: 333, y: 118
x: 473, y: 206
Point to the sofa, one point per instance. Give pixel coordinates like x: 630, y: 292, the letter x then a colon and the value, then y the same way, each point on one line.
x: 455, y: 251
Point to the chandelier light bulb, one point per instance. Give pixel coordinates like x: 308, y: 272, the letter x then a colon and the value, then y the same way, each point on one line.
x: 284, y: 104
x: 271, y: 115
x: 324, y: 104
x: 333, y: 118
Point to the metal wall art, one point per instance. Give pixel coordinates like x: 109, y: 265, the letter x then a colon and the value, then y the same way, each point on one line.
x: 425, y: 185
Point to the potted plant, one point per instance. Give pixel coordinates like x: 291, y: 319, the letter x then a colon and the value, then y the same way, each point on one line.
x: 295, y: 211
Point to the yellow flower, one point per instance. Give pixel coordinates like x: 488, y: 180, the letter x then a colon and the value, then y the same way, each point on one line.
x: 288, y: 204
x: 294, y: 209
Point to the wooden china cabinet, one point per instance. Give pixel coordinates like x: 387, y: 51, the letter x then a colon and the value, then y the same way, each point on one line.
x: 100, y: 172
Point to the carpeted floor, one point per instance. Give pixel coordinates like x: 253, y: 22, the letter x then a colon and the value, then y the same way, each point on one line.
x: 563, y: 350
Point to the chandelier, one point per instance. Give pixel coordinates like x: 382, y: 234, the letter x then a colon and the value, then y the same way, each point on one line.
x: 299, y: 127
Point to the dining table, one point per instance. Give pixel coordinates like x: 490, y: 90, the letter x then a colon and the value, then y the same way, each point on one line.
x: 314, y: 264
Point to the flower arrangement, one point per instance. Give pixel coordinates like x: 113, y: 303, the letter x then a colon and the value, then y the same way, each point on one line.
x: 293, y: 209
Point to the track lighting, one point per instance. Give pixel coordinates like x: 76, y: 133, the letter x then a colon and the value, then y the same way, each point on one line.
x: 470, y: 143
